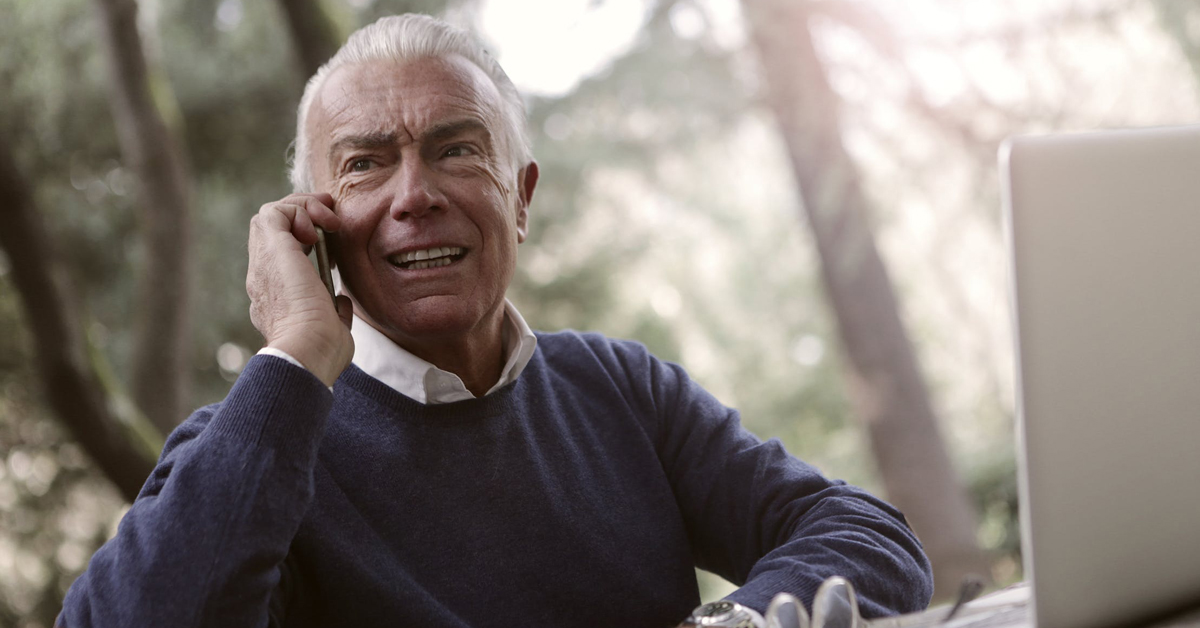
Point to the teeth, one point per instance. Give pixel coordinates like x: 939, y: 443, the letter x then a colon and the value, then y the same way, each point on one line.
x: 428, y: 258
x: 435, y: 252
x: 432, y: 263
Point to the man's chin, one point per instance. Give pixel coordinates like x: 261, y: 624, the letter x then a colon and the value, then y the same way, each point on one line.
x: 429, y: 318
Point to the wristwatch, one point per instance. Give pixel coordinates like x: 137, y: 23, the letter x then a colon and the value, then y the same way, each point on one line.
x: 725, y: 614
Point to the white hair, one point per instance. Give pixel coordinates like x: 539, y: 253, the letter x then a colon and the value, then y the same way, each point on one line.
x: 402, y: 38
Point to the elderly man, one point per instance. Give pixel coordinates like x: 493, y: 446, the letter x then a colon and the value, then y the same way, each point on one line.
x: 415, y: 455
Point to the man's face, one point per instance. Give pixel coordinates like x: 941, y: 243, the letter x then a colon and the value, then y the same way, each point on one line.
x: 416, y: 158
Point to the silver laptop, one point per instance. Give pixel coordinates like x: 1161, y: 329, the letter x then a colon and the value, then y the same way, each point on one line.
x: 1104, y: 230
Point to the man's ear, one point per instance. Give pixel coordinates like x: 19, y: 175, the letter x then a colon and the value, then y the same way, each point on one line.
x: 527, y: 180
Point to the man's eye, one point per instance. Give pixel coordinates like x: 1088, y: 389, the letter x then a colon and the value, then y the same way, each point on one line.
x: 359, y: 165
x: 457, y: 151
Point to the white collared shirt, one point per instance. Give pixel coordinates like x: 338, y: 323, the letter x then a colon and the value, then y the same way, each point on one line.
x: 419, y: 380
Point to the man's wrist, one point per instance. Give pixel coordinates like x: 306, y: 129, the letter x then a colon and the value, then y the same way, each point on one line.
x: 280, y: 353
x: 284, y: 355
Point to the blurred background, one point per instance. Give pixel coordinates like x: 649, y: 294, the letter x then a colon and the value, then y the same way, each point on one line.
x: 798, y: 200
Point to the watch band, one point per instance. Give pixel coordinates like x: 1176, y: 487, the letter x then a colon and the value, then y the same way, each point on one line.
x: 725, y: 614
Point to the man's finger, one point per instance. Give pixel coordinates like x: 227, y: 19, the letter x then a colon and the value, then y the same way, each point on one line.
x: 287, y: 217
x: 319, y: 207
x: 324, y: 198
x: 302, y: 224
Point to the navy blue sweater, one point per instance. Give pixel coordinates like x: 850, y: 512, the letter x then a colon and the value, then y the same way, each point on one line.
x: 580, y: 495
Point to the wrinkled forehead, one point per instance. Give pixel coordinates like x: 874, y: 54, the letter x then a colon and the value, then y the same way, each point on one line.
x: 387, y: 96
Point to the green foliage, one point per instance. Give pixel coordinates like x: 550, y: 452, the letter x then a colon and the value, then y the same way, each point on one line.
x: 55, y: 507
x: 993, y: 486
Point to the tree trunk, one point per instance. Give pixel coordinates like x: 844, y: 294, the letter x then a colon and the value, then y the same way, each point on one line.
x: 314, y: 36
x: 70, y: 384
x: 887, y: 389
x: 162, y: 341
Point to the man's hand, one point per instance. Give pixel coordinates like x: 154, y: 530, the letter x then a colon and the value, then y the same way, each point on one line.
x: 288, y: 303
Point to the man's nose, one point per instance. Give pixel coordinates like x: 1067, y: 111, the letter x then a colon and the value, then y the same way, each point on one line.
x: 416, y: 191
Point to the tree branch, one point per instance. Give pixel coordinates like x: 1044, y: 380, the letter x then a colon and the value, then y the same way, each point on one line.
x: 71, y: 386
x: 162, y: 341
x: 314, y: 36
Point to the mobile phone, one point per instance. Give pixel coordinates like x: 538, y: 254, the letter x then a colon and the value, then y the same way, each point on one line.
x: 323, y: 264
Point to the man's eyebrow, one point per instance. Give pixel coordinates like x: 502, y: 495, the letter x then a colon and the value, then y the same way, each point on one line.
x: 446, y: 130
x: 368, y: 141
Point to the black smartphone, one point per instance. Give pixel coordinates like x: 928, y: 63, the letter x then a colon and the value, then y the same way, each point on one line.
x: 323, y: 264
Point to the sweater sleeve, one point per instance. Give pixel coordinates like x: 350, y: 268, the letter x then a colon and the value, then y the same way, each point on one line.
x: 769, y: 522
x: 202, y: 543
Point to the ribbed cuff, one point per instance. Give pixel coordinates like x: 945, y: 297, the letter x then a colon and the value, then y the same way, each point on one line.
x: 757, y: 593
x: 277, y: 405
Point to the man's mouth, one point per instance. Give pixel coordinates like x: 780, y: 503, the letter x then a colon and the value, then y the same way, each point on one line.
x: 428, y: 258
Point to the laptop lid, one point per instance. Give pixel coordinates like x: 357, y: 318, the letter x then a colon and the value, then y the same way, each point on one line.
x: 1104, y: 231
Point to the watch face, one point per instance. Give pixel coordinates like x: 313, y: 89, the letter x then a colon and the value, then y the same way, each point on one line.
x: 714, y: 611
x: 724, y: 614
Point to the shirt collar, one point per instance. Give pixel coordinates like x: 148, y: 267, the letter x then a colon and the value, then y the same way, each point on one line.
x: 421, y: 381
